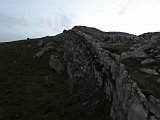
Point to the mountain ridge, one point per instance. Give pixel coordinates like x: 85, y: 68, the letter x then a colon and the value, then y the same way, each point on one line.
x: 102, y: 71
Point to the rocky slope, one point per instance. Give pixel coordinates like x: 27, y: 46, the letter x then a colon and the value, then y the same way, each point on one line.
x: 110, y: 75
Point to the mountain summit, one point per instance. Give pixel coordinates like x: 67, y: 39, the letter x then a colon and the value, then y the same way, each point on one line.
x: 81, y: 74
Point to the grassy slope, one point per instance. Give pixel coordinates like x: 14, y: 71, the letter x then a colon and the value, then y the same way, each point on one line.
x: 25, y: 96
x: 23, y: 92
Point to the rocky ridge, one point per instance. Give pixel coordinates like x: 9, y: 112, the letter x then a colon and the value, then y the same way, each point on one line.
x: 96, y: 60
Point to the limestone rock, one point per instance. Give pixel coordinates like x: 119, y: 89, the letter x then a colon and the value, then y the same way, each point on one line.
x: 125, y: 55
x: 133, y: 54
x: 155, y: 39
x: 40, y: 43
x: 144, y: 47
x: 149, y: 71
x: 138, y: 54
x: 146, y: 61
x: 92, y: 67
x: 132, y: 48
x: 56, y: 64
x: 39, y: 54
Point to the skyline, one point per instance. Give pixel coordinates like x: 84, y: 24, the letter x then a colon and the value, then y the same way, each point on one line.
x: 21, y: 19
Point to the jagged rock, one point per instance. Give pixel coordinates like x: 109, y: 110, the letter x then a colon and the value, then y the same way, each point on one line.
x: 125, y: 55
x: 133, y: 54
x: 138, y: 54
x: 40, y: 43
x: 146, y: 61
x: 149, y: 71
x: 56, y: 64
x: 46, y: 48
x: 132, y: 48
x: 143, y: 47
x: 64, y: 31
x: 155, y: 39
x: 137, y: 45
x: 40, y: 53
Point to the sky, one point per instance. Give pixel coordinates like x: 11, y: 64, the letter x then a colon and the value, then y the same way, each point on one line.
x: 21, y: 19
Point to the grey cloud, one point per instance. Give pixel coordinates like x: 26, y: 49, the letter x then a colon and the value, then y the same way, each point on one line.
x: 63, y: 21
x: 13, y: 21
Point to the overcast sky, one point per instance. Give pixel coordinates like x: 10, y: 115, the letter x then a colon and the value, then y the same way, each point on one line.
x: 20, y: 19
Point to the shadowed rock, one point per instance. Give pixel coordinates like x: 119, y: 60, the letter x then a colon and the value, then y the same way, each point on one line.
x: 55, y: 64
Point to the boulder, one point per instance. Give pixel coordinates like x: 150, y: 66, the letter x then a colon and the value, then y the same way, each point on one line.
x: 149, y: 71
x: 132, y: 48
x: 56, y: 64
x: 133, y: 54
x: 138, y: 54
x: 125, y: 55
x: 155, y: 39
x: 143, y: 47
x: 39, y: 54
x: 137, y: 45
x: 147, y: 61
x: 64, y: 31
x: 40, y: 43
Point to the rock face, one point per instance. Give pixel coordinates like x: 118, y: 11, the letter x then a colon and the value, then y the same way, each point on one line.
x: 56, y: 64
x: 149, y: 71
x: 133, y: 54
x: 90, y: 66
x: 146, y: 61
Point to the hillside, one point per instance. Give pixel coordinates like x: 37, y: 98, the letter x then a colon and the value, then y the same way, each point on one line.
x: 81, y: 74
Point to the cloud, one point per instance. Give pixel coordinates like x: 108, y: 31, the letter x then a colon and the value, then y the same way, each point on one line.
x: 122, y: 11
x: 8, y: 20
x: 62, y: 21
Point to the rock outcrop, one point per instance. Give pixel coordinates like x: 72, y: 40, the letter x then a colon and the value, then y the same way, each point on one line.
x: 149, y: 71
x: 147, y: 61
x: 56, y: 64
x: 90, y: 66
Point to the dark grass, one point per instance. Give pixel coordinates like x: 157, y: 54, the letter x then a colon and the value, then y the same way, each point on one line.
x: 147, y: 83
x: 24, y: 94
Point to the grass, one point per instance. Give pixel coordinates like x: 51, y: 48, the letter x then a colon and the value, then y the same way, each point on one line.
x: 119, y: 48
x: 24, y: 94
x: 147, y: 83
